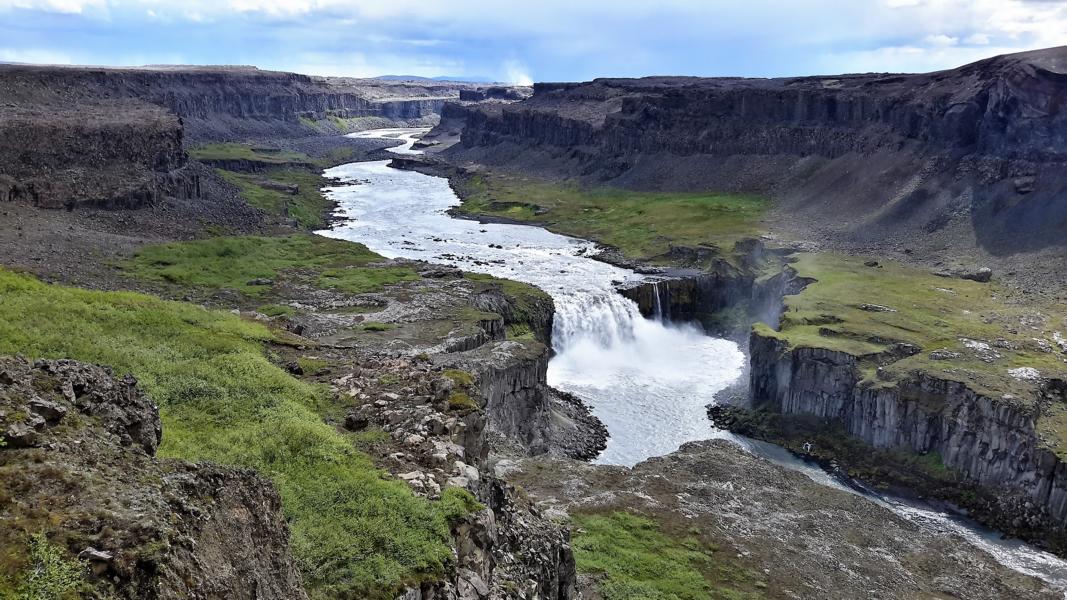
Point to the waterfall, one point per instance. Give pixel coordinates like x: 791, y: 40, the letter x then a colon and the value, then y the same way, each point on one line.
x: 656, y: 305
x: 601, y: 315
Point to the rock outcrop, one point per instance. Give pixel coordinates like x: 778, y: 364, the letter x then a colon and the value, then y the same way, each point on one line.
x: 505, y: 549
x: 109, y: 156
x: 992, y: 443
x: 78, y: 465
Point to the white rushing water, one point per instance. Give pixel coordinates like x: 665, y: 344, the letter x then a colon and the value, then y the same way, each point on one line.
x: 648, y: 381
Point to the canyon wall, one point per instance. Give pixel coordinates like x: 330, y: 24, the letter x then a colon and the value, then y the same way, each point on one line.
x: 96, y: 156
x: 975, y: 153
x: 991, y: 442
x: 228, y: 102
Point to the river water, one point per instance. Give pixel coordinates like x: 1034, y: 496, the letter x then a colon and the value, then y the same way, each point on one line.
x: 648, y: 381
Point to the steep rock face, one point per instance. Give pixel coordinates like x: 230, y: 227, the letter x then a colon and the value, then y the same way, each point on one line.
x: 78, y: 465
x: 223, y: 102
x: 507, y: 549
x: 123, y: 156
x: 872, y: 157
x: 511, y: 377
x: 992, y: 442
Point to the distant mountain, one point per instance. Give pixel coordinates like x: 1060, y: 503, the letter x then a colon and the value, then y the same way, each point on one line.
x: 441, y: 78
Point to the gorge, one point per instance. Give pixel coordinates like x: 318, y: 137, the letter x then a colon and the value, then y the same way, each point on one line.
x: 437, y: 340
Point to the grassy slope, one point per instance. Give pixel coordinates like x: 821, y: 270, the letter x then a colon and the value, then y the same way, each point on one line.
x: 640, y: 224
x: 353, y: 531
x: 636, y: 559
x: 238, y: 151
x: 307, y: 207
x: 231, y: 262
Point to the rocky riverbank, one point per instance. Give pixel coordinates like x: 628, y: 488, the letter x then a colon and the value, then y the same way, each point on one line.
x: 764, y: 531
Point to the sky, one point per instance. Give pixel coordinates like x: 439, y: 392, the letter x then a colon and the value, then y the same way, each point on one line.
x: 535, y: 40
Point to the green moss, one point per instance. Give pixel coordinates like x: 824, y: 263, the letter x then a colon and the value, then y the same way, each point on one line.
x: 459, y: 377
x: 640, y: 224
x: 238, y: 151
x: 308, y: 207
x: 375, y: 326
x: 461, y: 401
x: 49, y: 575
x: 354, y: 533
x: 637, y: 560
x: 231, y: 262
x: 276, y: 310
x: 312, y: 366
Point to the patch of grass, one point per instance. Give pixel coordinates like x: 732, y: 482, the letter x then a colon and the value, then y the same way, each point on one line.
x: 308, y: 207
x: 641, y: 224
x: 354, y: 533
x: 638, y: 560
x: 460, y: 377
x: 50, y: 574
x: 927, y: 311
x: 231, y: 262
x: 461, y: 401
x: 360, y: 281
x: 311, y: 366
x: 276, y: 310
x: 375, y: 326
x: 520, y: 332
x: 238, y: 151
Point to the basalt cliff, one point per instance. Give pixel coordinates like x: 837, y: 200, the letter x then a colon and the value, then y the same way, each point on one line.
x: 970, y: 158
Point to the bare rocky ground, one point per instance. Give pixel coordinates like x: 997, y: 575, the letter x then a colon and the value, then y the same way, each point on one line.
x: 805, y: 539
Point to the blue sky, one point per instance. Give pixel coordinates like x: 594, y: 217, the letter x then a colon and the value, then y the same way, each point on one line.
x: 537, y: 40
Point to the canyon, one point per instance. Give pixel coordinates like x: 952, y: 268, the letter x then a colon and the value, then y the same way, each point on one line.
x: 464, y: 388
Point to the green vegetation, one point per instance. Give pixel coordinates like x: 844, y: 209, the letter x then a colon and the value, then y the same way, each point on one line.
x: 266, y: 191
x: 460, y: 377
x: 637, y: 560
x: 237, y: 151
x: 461, y: 401
x: 530, y: 306
x: 50, y: 575
x: 312, y: 366
x: 375, y: 326
x: 232, y: 262
x: 276, y: 310
x: 865, y: 310
x: 640, y: 224
x: 355, y: 533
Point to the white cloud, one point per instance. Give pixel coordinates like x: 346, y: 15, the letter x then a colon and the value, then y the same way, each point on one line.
x: 977, y: 39
x: 941, y: 39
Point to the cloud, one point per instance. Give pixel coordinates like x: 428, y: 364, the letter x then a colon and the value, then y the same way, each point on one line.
x: 546, y: 40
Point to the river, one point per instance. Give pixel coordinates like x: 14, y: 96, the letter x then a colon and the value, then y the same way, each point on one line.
x: 648, y: 381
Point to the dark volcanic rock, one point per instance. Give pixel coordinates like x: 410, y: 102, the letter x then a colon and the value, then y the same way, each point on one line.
x: 87, y: 478
x: 970, y: 156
